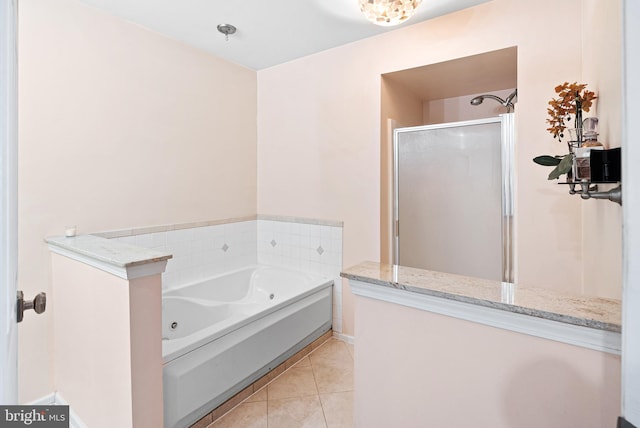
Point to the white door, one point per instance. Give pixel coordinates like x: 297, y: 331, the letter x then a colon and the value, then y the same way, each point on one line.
x: 8, y: 201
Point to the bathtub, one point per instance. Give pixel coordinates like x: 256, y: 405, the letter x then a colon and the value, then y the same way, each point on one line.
x: 222, y: 334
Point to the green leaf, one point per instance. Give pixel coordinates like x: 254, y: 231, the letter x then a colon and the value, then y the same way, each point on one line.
x: 563, y: 167
x: 546, y: 160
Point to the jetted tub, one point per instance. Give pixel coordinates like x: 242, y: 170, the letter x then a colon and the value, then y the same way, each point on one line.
x: 222, y: 334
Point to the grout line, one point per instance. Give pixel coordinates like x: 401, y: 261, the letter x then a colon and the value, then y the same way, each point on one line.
x: 268, y: 383
x: 324, y: 415
x: 267, y: 404
x: 313, y: 373
x: 306, y: 356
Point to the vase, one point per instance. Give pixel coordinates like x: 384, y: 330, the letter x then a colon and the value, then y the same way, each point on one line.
x: 575, y: 137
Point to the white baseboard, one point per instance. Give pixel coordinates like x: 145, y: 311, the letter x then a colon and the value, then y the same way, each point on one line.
x: 343, y: 337
x: 43, y: 401
x: 55, y: 398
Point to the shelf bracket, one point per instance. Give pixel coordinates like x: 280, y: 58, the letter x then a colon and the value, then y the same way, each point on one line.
x: 589, y: 190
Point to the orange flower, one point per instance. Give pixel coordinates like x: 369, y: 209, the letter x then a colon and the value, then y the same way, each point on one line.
x: 572, y: 99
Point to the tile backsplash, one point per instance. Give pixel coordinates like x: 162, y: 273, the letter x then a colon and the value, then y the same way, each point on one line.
x: 314, y: 248
x: 205, y: 251
x: 201, y: 252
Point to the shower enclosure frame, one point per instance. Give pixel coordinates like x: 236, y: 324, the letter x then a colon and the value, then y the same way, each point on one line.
x: 507, y: 126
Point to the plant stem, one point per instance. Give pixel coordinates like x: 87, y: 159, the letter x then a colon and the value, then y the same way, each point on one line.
x: 578, y: 121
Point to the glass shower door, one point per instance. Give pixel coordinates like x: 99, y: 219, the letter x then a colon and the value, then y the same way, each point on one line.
x: 452, y: 198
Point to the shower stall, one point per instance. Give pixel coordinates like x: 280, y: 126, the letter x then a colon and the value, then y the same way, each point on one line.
x: 453, y: 197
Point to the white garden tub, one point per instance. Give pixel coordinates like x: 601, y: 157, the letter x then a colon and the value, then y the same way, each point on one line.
x: 222, y: 334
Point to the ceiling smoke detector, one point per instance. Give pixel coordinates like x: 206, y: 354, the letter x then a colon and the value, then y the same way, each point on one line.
x: 226, y: 29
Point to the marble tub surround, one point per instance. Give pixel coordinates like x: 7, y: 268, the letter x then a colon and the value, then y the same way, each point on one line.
x: 593, y: 312
x: 120, y: 258
x: 120, y: 233
x: 300, y: 220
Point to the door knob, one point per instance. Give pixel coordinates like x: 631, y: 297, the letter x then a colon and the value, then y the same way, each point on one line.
x: 38, y: 304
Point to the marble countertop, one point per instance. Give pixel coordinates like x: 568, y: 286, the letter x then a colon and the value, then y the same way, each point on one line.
x: 595, y: 312
x: 108, y: 250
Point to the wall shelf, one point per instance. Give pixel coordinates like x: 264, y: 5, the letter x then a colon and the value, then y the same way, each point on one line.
x: 589, y: 190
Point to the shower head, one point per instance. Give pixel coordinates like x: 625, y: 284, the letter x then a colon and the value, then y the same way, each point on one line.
x: 508, y: 103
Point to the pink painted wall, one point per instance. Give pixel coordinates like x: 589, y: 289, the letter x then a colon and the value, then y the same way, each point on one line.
x: 602, y: 220
x: 418, y: 369
x: 145, y: 326
x: 108, y: 345
x: 319, y: 129
x: 119, y: 127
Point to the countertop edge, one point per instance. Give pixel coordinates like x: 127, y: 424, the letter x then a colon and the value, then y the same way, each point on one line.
x: 538, y: 313
x: 104, y: 250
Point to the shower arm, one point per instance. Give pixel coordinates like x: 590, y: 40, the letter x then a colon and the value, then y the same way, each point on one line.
x: 509, y: 100
x: 495, y: 97
x: 508, y: 103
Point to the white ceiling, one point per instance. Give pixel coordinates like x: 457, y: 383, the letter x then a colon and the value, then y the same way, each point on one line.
x: 270, y: 32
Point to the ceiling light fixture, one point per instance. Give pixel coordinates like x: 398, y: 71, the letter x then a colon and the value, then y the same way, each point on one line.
x: 226, y: 29
x: 388, y: 12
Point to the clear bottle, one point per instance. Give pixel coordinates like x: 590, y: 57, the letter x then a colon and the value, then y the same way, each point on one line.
x: 583, y: 157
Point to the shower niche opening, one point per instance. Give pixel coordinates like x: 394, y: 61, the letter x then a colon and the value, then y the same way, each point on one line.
x: 447, y: 166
